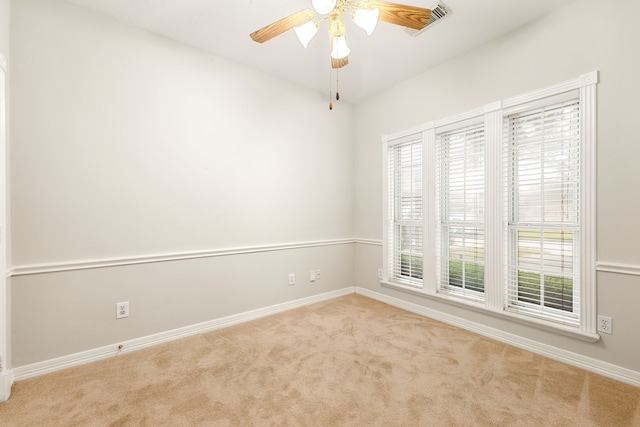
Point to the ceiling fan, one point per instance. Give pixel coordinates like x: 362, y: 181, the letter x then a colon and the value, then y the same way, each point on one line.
x: 365, y: 14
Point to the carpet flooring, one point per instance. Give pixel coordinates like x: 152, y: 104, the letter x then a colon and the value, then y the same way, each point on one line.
x: 350, y: 361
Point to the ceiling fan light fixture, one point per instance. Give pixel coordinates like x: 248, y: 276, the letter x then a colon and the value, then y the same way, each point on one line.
x: 340, y: 49
x: 306, y: 32
x: 323, y: 7
x: 366, y: 19
x: 365, y: 14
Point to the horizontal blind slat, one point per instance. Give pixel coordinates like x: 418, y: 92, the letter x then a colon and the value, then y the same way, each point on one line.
x: 543, y: 179
x: 406, y: 211
x: 460, y: 209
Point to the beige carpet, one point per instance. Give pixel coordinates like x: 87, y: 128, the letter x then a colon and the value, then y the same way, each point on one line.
x: 350, y: 361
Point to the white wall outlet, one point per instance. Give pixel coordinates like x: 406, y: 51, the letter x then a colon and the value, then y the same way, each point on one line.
x: 292, y: 278
x: 312, y: 276
x: 605, y: 324
x: 122, y: 309
x: 317, y: 274
x: 380, y: 274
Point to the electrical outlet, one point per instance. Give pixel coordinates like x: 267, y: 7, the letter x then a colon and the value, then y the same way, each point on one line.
x: 605, y: 324
x: 317, y: 274
x: 292, y: 279
x: 379, y: 274
x: 312, y: 276
x: 122, y: 310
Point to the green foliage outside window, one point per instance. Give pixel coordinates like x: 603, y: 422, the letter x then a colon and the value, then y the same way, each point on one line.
x: 473, y: 277
x: 411, y: 266
x: 558, y: 291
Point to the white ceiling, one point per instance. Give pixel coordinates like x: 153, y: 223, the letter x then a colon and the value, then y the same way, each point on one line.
x: 376, y: 62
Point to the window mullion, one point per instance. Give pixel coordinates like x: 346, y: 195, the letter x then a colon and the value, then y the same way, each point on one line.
x: 536, y: 227
x: 429, y: 210
x: 494, y: 208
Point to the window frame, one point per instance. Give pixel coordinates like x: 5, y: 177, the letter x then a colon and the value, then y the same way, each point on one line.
x: 444, y: 205
x: 515, y: 226
x: 394, y: 216
x: 495, y: 215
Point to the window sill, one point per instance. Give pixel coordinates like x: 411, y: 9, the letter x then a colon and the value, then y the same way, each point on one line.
x: 505, y: 315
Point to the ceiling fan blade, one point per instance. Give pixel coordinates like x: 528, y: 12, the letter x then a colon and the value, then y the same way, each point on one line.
x: 401, y: 14
x: 282, y: 25
x: 339, y: 63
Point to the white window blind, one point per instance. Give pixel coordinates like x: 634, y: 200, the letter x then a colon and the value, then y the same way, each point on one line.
x: 494, y: 208
x: 405, y: 212
x: 542, y: 147
x: 460, y: 205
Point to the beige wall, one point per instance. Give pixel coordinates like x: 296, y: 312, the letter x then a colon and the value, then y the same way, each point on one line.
x: 576, y: 39
x: 5, y: 351
x: 126, y: 144
x: 5, y: 7
x: 63, y: 313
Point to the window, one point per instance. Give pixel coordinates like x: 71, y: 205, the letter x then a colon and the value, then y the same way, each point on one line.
x: 405, y: 211
x: 460, y: 199
x: 495, y: 208
x: 543, y: 157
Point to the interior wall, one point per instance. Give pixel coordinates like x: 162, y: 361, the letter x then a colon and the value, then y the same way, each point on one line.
x: 5, y: 351
x: 5, y: 7
x: 576, y: 39
x: 128, y: 145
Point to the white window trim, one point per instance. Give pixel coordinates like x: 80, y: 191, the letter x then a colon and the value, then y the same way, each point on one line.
x: 494, y: 303
x: 387, y: 142
x: 444, y: 223
x: 392, y: 206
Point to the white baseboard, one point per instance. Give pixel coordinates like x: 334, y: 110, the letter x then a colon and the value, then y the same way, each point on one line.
x: 6, y: 381
x: 574, y: 359
x: 40, y: 368
x: 84, y: 357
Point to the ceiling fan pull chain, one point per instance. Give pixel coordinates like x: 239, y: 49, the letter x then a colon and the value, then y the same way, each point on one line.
x: 330, y: 103
x: 337, y: 84
x: 364, y: 13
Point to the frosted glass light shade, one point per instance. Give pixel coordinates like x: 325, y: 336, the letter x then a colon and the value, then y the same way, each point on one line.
x: 323, y: 6
x: 340, y: 49
x: 366, y: 19
x: 305, y: 32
